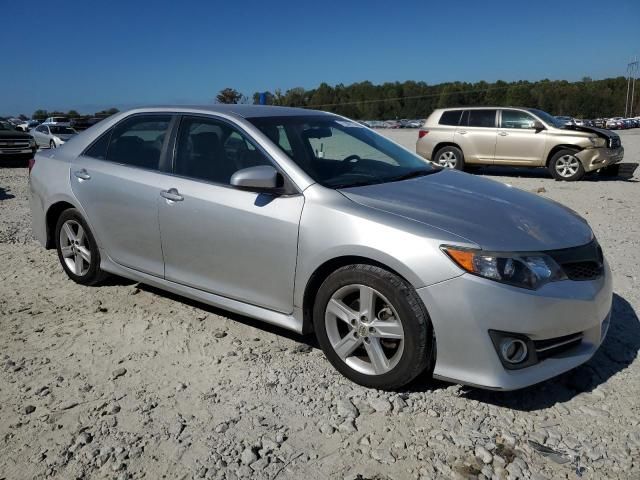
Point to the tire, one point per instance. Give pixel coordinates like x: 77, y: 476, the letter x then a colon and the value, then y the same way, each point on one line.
x: 52, y: 144
x: 564, y: 165
x: 395, y: 302
x: 450, y: 157
x: 86, y: 270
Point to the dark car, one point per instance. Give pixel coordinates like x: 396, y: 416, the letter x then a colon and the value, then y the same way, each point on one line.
x: 16, y: 146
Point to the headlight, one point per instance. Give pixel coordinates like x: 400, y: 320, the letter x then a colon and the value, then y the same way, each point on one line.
x: 598, y: 142
x: 32, y: 142
x: 526, y: 270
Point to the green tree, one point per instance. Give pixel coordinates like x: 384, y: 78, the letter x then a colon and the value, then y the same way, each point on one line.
x: 228, y: 95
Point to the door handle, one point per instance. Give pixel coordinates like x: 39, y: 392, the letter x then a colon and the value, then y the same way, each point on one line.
x: 172, y: 194
x: 82, y: 174
x: 503, y: 134
x: 462, y: 132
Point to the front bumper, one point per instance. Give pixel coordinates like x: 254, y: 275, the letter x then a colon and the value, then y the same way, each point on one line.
x: 596, y: 158
x: 465, y: 308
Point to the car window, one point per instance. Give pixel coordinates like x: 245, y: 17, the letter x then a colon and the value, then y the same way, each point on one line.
x: 98, y: 149
x: 212, y: 150
x: 450, y: 117
x: 137, y: 141
x: 339, y: 144
x: 516, y: 119
x: 480, y: 118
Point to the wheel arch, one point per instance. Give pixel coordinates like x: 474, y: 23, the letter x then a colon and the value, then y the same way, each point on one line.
x: 321, y: 273
x: 442, y: 145
x: 51, y: 219
x: 557, y: 148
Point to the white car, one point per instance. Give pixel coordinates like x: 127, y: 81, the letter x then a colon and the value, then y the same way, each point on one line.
x: 52, y: 136
x: 63, y: 121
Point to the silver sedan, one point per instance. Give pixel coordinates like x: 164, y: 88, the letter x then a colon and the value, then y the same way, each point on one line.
x: 315, y: 223
x: 52, y: 136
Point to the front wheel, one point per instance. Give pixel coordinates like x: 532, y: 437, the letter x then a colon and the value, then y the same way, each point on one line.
x: 77, y: 249
x: 52, y: 144
x: 373, y: 327
x: 564, y: 165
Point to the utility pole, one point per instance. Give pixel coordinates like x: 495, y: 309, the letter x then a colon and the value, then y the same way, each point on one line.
x: 632, y: 73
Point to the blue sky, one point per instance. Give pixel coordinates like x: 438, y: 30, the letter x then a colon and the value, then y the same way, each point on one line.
x: 89, y: 55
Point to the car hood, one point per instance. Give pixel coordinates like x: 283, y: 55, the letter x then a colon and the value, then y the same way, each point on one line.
x: 601, y: 132
x: 65, y: 136
x: 13, y: 135
x: 488, y: 213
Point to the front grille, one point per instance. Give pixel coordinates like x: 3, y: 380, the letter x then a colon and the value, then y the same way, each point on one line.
x: 6, y: 144
x: 580, y: 263
x: 555, y: 346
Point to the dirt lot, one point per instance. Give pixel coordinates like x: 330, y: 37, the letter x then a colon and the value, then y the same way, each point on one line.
x: 124, y: 381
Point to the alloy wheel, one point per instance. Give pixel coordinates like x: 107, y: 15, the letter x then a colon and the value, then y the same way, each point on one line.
x: 364, y: 329
x: 74, y: 248
x: 567, y: 166
x: 448, y: 159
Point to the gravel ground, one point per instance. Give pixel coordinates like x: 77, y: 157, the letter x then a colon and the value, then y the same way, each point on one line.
x: 125, y: 381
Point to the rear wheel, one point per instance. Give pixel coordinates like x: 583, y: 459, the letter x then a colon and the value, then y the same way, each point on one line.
x: 564, y: 165
x: 373, y: 327
x: 450, y: 157
x: 77, y: 249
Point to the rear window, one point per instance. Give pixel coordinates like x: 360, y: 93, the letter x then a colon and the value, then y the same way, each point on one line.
x: 479, y: 118
x: 450, y: 117
x: 60, y: 119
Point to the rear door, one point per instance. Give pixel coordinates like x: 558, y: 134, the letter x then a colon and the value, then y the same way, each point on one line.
x: 118, y: 181
x: 476, y: 135
x: 236, y: 243
x: 518, y: 142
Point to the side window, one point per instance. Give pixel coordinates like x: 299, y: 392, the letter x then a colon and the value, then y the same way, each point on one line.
x: 450, y: 117
x: 212, y: 150
x: 516, y: 119
x: 482, y: 118
x: 99, y: 148
x: 138, y: 141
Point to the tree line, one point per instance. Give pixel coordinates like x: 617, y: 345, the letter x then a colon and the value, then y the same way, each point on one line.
x: 363, y: 100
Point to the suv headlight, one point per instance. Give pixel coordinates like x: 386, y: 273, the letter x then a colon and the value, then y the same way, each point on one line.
x: 525, y: 270
x: 32, y: 142
x: 598, y: 142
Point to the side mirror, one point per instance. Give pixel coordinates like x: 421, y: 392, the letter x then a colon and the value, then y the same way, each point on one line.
x: 262, y: 177
x: 538, y: 126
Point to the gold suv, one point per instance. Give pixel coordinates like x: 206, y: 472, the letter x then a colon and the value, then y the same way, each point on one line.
x: 457, y: 137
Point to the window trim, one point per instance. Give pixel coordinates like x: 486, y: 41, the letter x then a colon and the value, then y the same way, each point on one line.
x: 162, y: 161
x: 289, y: 188
x: 514, y: 110
x: 495, y: 118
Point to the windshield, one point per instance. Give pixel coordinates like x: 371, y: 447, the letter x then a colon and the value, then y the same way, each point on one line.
x: 339, y: 153
x: 548, y: 119
x: 57, y: 130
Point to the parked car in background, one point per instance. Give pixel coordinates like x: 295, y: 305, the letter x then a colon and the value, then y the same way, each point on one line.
x: 392, y: 124
x: 524, y: 137
x: 566, y: 120
x: 600, y: 123
x: 16, y: 146
x: 62, y: 121
x: 615, y: 123
x: 52, y: 136
x: 399, y: 266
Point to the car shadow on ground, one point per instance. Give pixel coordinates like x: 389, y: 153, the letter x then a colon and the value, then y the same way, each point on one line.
x: 618, y: 351
x: 303, y: 340
x: 623, y: 173
x: 5, y: 195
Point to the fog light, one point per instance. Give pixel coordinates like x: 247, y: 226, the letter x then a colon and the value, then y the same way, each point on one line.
x: 513, y: 350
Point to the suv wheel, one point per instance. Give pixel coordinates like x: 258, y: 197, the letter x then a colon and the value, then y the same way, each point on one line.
x: 373, y: 327
x: 450, y: 157
x: 564, y: 165
x: 77, y: 249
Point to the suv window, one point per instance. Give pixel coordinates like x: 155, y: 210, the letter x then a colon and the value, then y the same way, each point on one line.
x: 516, y: 119
x: 137, y: 141
x: 479, y: 118
x: 212, y: 150
x: 450, y: 117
